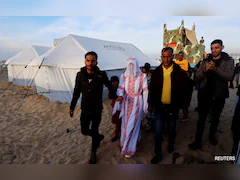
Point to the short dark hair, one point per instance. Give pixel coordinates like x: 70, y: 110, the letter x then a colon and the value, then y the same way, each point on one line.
x: 181, y: 52
x: 114, y: 79
x: 217, y: 41
x: 167, y: 49
x: 147, y: 66
x: 91, y: 53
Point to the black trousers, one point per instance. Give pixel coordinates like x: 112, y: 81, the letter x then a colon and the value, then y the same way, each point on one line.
x: 86, y: 118
x: 204, y: 104
x: 236, y: 127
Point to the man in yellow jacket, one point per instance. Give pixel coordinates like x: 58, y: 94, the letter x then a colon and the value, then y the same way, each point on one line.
x: 183, y: 63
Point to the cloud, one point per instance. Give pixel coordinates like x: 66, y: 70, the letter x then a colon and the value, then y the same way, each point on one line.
x: 9, y: 47
x: 145, y: 32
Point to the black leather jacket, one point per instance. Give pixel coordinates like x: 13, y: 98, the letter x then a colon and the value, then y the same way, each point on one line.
x: 91, y: 92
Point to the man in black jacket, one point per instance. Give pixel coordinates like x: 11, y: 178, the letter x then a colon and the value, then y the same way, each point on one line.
x: 214, y: 73
x: 236, y: 124
x: 167, y: 93
x: 237, y: 72
x: 89, y: 82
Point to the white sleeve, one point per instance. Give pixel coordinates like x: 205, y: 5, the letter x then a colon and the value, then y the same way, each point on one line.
x: 145, y: 94
x: 121, y: 87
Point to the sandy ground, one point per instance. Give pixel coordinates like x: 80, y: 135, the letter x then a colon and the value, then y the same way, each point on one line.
x: 35, y: 133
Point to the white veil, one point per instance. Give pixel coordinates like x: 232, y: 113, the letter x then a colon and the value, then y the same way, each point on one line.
x: 132, y: 68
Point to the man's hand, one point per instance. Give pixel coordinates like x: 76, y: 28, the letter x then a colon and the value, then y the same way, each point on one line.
x: 209, y: 66
x: 120, y: 99
x: 212, y: 66
x: 71, y: 112
x: 150, y: 108
x: 206, y: 67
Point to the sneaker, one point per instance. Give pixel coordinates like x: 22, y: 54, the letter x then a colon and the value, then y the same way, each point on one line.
x: 127, y: 156
x: 213, y: 140
x: 93, y: 158
x: 171, y: 148
x: 115, y: 138
x: 156, y: 159
x: 194, y: 145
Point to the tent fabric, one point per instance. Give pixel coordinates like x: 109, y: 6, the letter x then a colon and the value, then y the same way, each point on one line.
x: 56, y: 77
x: 18, y: 65
x: 191, y: 35
x: 56, y: 42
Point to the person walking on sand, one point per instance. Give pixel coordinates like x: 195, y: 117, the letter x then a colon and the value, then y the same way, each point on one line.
x: 133, y: 93
x: 116, y: 109
x: 89, y: 82
x: 236, y: 124
x: 214, y: 73
x: 167, y: 93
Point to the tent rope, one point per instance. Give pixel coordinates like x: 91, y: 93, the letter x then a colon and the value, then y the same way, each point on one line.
x: 28, y: 89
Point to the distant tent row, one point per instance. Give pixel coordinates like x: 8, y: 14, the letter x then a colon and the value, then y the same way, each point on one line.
x: 60, y: 64
x: 18, y: 69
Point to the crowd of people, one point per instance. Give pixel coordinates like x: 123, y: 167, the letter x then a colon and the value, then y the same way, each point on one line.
x: 158, y: 94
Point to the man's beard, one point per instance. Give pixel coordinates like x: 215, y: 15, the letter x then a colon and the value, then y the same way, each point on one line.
x: 216, y: 54
x: 90, y: 67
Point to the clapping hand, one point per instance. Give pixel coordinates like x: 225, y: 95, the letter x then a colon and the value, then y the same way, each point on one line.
x: 210, y: 66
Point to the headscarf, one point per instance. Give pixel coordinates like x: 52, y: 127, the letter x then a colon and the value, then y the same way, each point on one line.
x: 132, y: 68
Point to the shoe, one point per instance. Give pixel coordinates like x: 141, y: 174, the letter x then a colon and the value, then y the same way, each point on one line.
x: 93, y: 158
x: 213, y: 141
x: 171, y: 148
x: 115, y: 138
x: 194, y: 145
x: 127, y: 156
x: 156, y: 159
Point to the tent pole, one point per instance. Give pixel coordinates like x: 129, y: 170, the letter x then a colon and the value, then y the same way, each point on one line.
x: 28, y: 90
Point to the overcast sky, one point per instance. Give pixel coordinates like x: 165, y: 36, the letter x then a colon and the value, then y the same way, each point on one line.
x: 23, y: 23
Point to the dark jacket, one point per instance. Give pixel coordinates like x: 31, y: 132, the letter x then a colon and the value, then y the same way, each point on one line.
x: 179, y: 86
x: 91, y: 92
x: 224, y: 73
x: 237, y: 69
x: 236, y: 117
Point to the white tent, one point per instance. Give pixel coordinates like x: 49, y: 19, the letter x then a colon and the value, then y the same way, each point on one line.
x: 18, y: 70
x: 56, y: 77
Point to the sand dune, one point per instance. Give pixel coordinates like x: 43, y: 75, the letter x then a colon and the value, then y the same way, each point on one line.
x: 35, y: 133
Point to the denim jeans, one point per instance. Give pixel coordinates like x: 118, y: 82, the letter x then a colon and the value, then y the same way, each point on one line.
x: 162, y: 115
